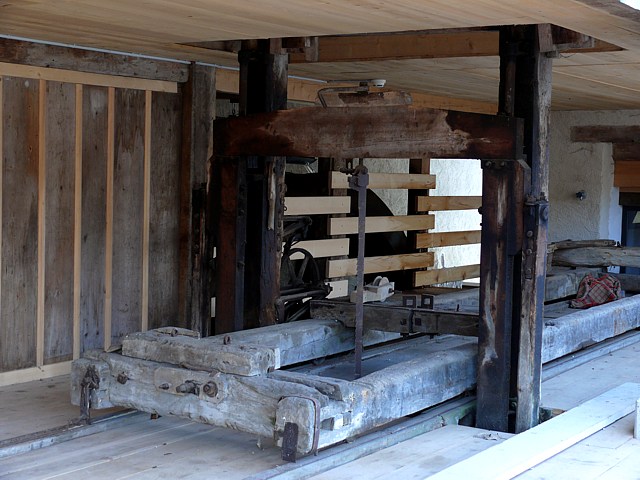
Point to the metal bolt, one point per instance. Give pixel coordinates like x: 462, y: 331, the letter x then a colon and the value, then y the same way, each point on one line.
x: 529, y: 233
x: 210, y: 389
x: 164, y: 386
x: 226, y: 340
x: 122, y: 378
x: 529, y: 251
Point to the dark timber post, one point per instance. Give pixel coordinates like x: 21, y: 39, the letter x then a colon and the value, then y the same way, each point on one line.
x: 263, y: 88
x: 533, y: 101
x: 514, y: 234
x: 198, y: 112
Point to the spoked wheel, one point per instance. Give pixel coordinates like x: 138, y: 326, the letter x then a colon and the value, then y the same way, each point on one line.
x: 300, y: 282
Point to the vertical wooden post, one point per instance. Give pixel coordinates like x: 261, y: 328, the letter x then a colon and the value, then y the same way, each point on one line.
x: 533, y: 102
x: 513, y: 259
x: 42, y: 197
x: 77, y: 223
x: 263, y: 88
x: 198, y: 112
x: 502, y: 192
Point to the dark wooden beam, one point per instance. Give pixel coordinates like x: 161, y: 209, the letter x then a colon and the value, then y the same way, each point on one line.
x: 383, y: 132
x: 533, y: 102
x: 626, y: 152
x: 606, y: 134
x: 81, y: 60
x: 502, y: 199
x: 263, y: 88
x: 198, y: 97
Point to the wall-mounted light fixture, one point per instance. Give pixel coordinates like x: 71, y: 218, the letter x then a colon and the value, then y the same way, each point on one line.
x: 581, y: 195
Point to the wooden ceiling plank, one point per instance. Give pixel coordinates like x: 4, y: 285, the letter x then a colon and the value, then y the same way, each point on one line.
x: 376, y: 132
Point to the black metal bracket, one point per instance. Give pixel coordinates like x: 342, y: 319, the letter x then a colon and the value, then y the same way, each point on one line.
x: 536, y: 212
x: 90, y: 382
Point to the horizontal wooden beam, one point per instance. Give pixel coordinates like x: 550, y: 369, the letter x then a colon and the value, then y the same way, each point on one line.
x: 34, y: 373
x: 606, y: 133
x: 626, y: 152
x: 406, y: 45
x: 447, y: 239
x: 316, y: 205
x: 388, y: 318
x: 443, y: 275
x: 396, y: 223
x: 91, y: 61
x: 435, y: 204
x: 388, y: 180
x: 598, y: 257
x: 376, y: 132
x: 626, y: 174
x: 330, y: 247
x: 84, y: 78
x: 389, y: 263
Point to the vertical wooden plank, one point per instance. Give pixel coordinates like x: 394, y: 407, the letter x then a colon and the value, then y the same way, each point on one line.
x: 1, y: 184
x: 502, y: 197
x: 146, y: 198
x: 77, y: 222
x: 108, y: 254
x: 42, y: 196
x: 419, y: 166
x: 20, y: 224
x: 263, y: 88
x: 97, y: 139
x: 533, y: 103
x: 198, y: 112
x: 128, y: 186
x: 58, y: 221
x: 164, y: 232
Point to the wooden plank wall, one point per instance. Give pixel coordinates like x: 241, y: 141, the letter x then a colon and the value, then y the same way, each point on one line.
x: 89, y: 214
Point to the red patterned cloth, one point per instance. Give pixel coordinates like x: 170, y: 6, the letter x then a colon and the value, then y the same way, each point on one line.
x: 594, y: 291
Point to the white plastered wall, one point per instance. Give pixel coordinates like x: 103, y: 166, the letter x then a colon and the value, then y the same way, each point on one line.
x: 584, y: 167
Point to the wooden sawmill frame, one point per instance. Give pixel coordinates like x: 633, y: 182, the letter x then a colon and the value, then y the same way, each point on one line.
x: 244, y: 207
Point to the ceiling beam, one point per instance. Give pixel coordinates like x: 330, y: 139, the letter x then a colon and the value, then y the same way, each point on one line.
x: 427, y: 44
x: 606, y: 134
x: 410, y: 45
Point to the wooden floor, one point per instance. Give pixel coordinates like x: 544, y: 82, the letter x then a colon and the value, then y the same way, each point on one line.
x: 173, y: 448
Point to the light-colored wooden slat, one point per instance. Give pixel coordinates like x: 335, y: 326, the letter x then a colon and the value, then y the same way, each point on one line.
x: 435, y: 204
x: 35, y: 373
x: 390, y: 263
x: 108, y: 268
x: 442, y: 275
x: 332, y: 247
x: 146, y: 206
x: 521, y: 452
x: 70, y: 76
x: 388, y: 180
x: 447, y: 239
x: 399, y: 223
x: 316, y: 205
x: 77, y: 225
x: 340, y: 288
x: 42, y: 187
